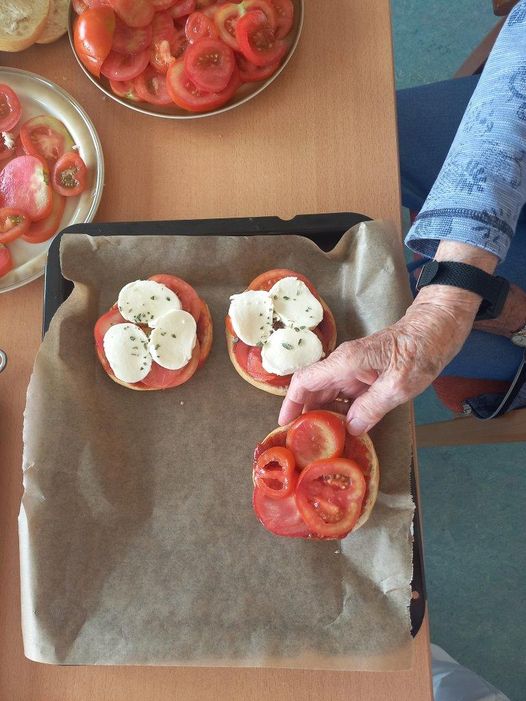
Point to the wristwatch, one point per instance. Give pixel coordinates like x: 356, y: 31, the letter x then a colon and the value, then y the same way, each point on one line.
x: 492, y: 288
x: 519, y: 337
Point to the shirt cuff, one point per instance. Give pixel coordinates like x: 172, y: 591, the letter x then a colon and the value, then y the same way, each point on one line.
x: 480, y: 229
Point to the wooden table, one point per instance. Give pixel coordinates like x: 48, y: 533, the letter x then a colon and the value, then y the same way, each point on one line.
x: 321, y: 139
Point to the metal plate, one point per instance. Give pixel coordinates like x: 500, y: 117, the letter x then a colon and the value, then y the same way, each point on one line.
x: 245, y: 93
x: 40, y: 96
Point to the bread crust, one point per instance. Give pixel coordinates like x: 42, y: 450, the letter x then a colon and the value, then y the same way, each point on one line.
x: 57, y: 22
x: 37, y: 13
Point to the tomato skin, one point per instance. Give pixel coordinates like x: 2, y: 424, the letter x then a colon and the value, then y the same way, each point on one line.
x: 284, y: 10
x: 182, y: 8
x: 130, y: 40
x: 186, y: 95
x: 93, y: 36
x: 122, y: 68
x: 70, y: 175
x: 198, y: 26
x: 6, y: 262
x: 250, y: 73
x: 10, y: 108
x: 210, y: 64
x: 24, y: 184
x: 45, y: 137
x: 316, y: 435
x: 277, y: 483
x: 134, y: 13
x: 13, y: 223
x: 279, y: 516
x: 329, y: 497
x: 150, y: 86
x: 44, y: 229
x: 124, y: 88
x: 256, y: 39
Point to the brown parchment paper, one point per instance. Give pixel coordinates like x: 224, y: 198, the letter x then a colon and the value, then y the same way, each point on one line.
x: 137, y: 537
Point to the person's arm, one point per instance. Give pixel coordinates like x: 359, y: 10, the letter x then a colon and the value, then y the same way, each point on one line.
x: 481, y: 188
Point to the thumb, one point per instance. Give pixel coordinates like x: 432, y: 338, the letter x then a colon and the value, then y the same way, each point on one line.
x: 367, y: 410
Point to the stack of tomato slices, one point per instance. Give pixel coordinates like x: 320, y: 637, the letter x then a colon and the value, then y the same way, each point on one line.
x: 159, y: 377
x: 194, y: 53
x: 312, y: 479
x: 39, y: 170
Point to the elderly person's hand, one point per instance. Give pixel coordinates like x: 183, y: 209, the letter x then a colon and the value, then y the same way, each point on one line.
x: 390, y: 367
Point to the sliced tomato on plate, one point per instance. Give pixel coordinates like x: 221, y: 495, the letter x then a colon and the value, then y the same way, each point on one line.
x: 79, y: 6
x: 249, y: 73
x: 161, y: 57
x: 276, y: 438
x: 124, y: 88
x: 190, y: 300
x: 163, y: 26
x: 46, y: 137
x: 227, y: 15
x: 280, y: 516
x: 6, y: 151
x: 182, y: 8
x: 70, y: 175
x: 187, y: 95
x: 284, y: 10
x: 275, y: 473
x: 93, y: 36
x: 44, y: 229
x: 161, y: 378
x: 6, y: 262
x: 135, y: 13
x: 199, y: 26
x: 179, y: 44
x: 205, y: 332
x: 316, y: 435
x: 356, y: 449
x: 13, y: 223
x: 150, y: 86
x: 131, y: 40
x: 164, y: 40
x: 122, y: 68
x: 329, y: 496
x: 10, y: 109
x: 210, y: 64
x: 24, y: 185
x: 160, y: 5
x: 256, y: 39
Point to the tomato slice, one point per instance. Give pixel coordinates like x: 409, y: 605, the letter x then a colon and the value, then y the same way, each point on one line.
x: 150, y: 86
x: 316, y: 435
x: 161, y: 378
x: 44, y: 229
x: 256, y: 39
x: 160, y: 5
x: 24, y: 184
x: 226, y: 17
x: 131, y: 40
x: 254, y: 367
x: 6, y: 262
x: 163, y: 34
x: 355, y: 449
x: 187, y: 95
x: 70, y: 175
x: 205, y: 332
x: 135, y: 13
x: 268, y: 279
x: 122, y: 68
x: 6, y: 151
x: 249, y: 73
x: 280, y: 516
x: 190, y: 300
x: 284, y: 10
x: 329, y: 496
x: 46, y: 137
x: 210, y: 63
x: 275, y: 473
x: 92, y: 37
x: 13, y: 223
x: 124, y: 88
x: 163, y: 27
x: 79, y: 6
x: 161, y: 57
x: 182, y: 8
x: 10, y: 109
x: 199, y: 26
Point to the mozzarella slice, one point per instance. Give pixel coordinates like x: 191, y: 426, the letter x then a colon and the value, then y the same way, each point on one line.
x: 145, y: 301
x: 126, y: 349
x: 173, y: 339
x: 288, y: 350
x: 295, y: 305
x: 251, y: 313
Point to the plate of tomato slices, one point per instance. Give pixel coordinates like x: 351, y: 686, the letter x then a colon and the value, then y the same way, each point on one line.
x: 51, y: 171
x: 183, y: 59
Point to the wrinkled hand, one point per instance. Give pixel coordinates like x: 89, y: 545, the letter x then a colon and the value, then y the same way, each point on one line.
x: 390, y: 367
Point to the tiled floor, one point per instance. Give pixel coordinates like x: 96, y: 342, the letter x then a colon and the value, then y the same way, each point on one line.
x: 473, y: 498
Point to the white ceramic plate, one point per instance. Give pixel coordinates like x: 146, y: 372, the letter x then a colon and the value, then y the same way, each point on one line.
x: 245, y: 93
x: 40, y: 96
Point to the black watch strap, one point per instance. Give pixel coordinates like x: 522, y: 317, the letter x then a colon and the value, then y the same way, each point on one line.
x: 492, y: 288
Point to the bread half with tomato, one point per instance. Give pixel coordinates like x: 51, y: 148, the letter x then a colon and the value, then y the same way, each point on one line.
x: 156, y: 336
x: 277, y: 326
x: 314, y: 480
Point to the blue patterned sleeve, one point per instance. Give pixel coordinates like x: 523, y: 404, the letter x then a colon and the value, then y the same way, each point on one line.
x: 481, y: 189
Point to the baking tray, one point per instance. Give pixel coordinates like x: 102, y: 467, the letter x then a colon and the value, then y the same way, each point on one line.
x: 324, y: 229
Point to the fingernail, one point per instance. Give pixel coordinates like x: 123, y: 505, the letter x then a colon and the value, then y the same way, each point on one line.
x: 357, y: 427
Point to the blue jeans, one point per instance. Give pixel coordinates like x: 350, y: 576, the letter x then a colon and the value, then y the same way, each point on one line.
x: 428, y: 118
